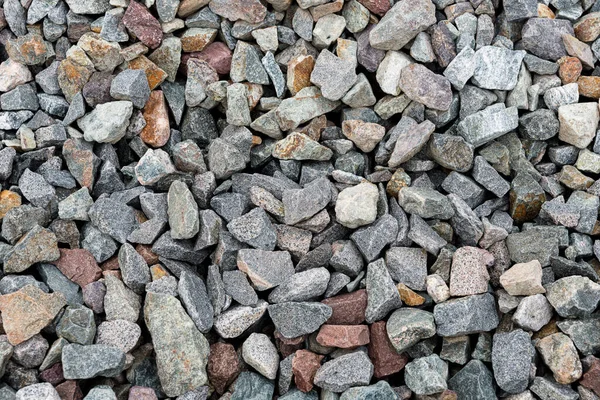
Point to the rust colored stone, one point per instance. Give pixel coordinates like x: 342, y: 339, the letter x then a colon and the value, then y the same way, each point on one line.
x: 154, y: 74
x: 27, y: 311
x: 8, y: 201
x: 197, y: 41
x: 314, y: 128
x: 79, y: 266
x: 255, y: 92
x: 81, y: 161
x: 111, y: 264
x: 545, y: 12
x: 343, y: 336
x: 72, y: 76
x: 348, y: 309
x: 379, y: 7
x: 157, y: 131
x: 399, y: 180
x: 216, y: 54
x: 587, y: 29
x: 69, y: 390
x: 142, y: 23
x: 298, y: 73
x: 409, y: 297
x: 188, y: 7
x: 30, y: 49
x: 386, y: 361
x: 589, y: 86
x: 223, y: 366
x: 304, y: 367
x: 591, y: 379
x: 569, y: 69
x: 256, y: 140
x: 142, y: 393
x: 53, y: 375
x: 157, y: 271
x: 147, y: 254
x: 288, y: 346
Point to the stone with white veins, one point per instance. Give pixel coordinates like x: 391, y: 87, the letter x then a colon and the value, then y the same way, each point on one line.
x: 333, y: 75
x: 488, y: 124
x: 261, y: 354
x: 107, y: 123
x: 497, y: 67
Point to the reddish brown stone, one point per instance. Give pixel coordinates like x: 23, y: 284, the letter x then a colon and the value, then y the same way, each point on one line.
x: 154, y: 74
x: 27, y: 311
x: 53, y: 375
x: 569, y: 69
x: 298, y: 73
x: 157, y: 271
x: 146, y: 252
x: 326, y: 9
x: 216, y: 54
x: 112, y: 264
x: 386, y: 361
x: 443, y: 44
x: 144, y: 26
x: 142, y: 393
x: 79, y: 266
x: 587, y: 28
x: 223, y: 366
x: 304, y: 367
x: 343, y: 336
x: 69, y: 390
x: 591, y: 379
x: 157, y: 131
x: 288, y: 346
x: 347, y: 309
x: 378, y: 7
x: 81, y: 161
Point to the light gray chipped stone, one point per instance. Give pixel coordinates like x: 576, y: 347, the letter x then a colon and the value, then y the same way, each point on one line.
x: 255, y: 229
x: 533, y: 313
x: 423, y: 235
x: 467, y: 226
x: 250, y: 385
x: 113, y: 218
x: 489, y: 178
x: 466, y: 315
x: 294, y: 319
x: 372, y: 239
x: 182, y: 211
x: 131, y: 85
x: 7, y: 155
x: 224, y: 167
x: 464, y: 187
x: 408, y: 326
x: 101, y: 392
x: 520, y: 9
x: 532, y: 244
x: 237, y: 286
x: 512, y: 354
x: 389, y: 72
x: 473, y: 382
x: 11, y: 283
x: 164, y: 285
x: 307, y: 104
x: 85, y: 362
x: 488, y: 124
x: 411, y: 138
x: 402, y: 23
x: 14, y: 119
x: 421, y: 49
x: 361, y: 94
x: 266, y: 269
x: 328, y: 29
x: 122, y: 334
x: 344, y: 372
x: 134, y: 269
x: 585, y: 334
x: 76, y: 206
x: 77, y: 325
x: 497, y: 68
x: 548, y: 389
x: 119, y: 301
x: 407, y: 265
x: 578, y: 123
x: 302, y: 286
x: 238, y: 110
x: 261, y: 354
x: 518, y: 96
x: 22, y: 97
x: 426, y: 375
x: 34, y: 188
x: 346, y: 258
x: 195, y: 299
x: 555, y: 97
x: 382, y: 294
x: 574, y: 296
x: 233, y: 322
x: 422, y: 85
x: 107, y: 123
x: 274, y: 72
x: 37, y: 391
x: 298, y: 146
x: 426, y: 203
x: 357, y: 205
x: 38, y: 245
x: 333, y: 75
x: 181, y: 350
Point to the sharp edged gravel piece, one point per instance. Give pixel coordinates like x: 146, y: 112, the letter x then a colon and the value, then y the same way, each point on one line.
x: 299, y: 199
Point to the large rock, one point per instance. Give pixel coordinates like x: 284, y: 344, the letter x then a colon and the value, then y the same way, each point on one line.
x: 86, y: 362
x: 181, y: 350
x: 578, y: 123
x: 512, y: 354
x: 497, y: 67
x: 344, y: 372
x: 357, y: 205
x: 107, y: 123
x: 466, y: 315
x: 408, y: 326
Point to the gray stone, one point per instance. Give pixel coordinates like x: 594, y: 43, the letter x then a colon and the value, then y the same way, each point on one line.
x: 122, y: 334
x: 195, y: 299
x: 333, y: 75
x: 302, y: 286
x: 497, y: 68
x: 549, y: 389
x: 408, y: 326
x: 411, y: 138
x: 182, y: 211
x: 423, y: 235
x: 131, y: 85
x: 38, y: 391
x: 164, y: 285
x: 113, y: 218
x: 574, y: 296
x: 408, y: 266
x: 252, y: 386
x: 266, y: 269
x: 426, y: 375
x: 372, y: 239
x: 261, y: 354
x: 555, y: 97
x: 488, y: 124
x: 134, y: 269
x: 107, y: 123
x: 426, y: 203
x: 464, y: 187
x: 35, y: 189
x: 237, y: 286
x: 539, y: 125
x: 101, y: 392
x: 119, y: 301
x: 255, y: 229
x: 77, y: 325
x: 30, y: 353
x: 307, y: 104
x: 543, y: 37
x: 38, y: 245
x: 422, y: 85
x: 181, y: 350
x: 233, y: 322
x: 357, y: 205
x: 86, y: 362
x: 451, y: 152
x: 344, y: 372
x: 533, y: 312
x: 294, y: 319
x: 473, y: 382
x: 274, y: 73
x: 584, y: 334
x: 512, y: 354
x: 382, y: 294
x: 297, y: 146
x: 466, y: 315
x: 346, y: 258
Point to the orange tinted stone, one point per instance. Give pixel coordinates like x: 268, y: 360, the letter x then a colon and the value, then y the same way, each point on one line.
x: 157, y: 271
x: 587, y: 29
x: 155, y: 75
x: 569, y: 69
x: 343, y: 336
x: 589, y: 86
x: 386, y: 361
x: 299, y: 70
x: 408, y: 296
x: 545, y: 12
x: 157, y: 131
x: 197, y: 39
x: 79, y: 266
x: 399, y: 180
x: 8, y: 201
x: 304, y: 367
